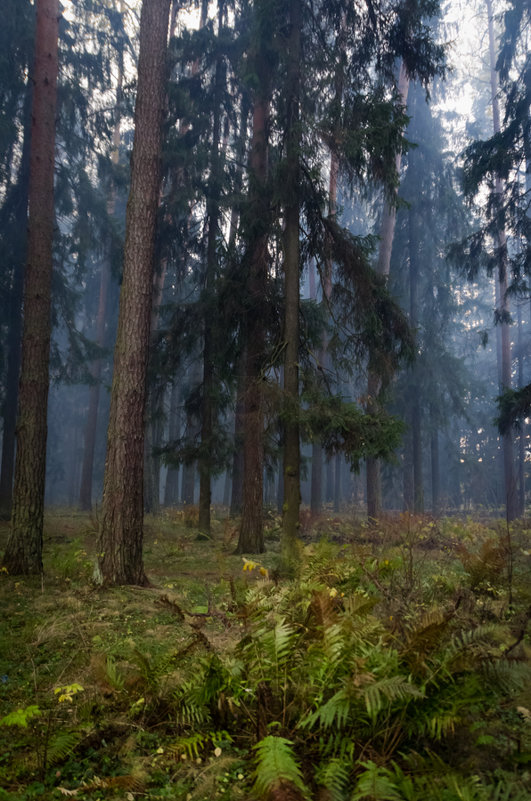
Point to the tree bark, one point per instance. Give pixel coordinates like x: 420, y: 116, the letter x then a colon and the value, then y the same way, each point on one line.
x: 256, y: 227
x: 24, y: 547
x: 171, y: 490
x: 85, y: 492
x: 121, y: 531
x: 236, y: 498
x: 17, y: 255
x: 415, y: 388
x: 435, y: 474
x: 291, y: 462
x: 505, y: 360
x: 213, y: 198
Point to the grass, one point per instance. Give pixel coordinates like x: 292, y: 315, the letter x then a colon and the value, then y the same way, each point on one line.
x: 130, y: 731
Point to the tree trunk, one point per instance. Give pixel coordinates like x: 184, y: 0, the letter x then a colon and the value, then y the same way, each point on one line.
x: 256, y: 227
x: 521, y: 438
x: 505, y: 361
x: 387, y: 232
x: 337, y: 483
x: 415, y: 388
x: 171, y: 490
x: 291, y: 463
x: 121, y: 532
x: 435, y: 474
x: 213, y: 196
x: 24, y: 547
x: 236, y: 499
x: 91, y: 425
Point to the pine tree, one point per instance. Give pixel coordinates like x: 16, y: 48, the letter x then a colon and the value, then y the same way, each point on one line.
x: 24, y: 547
x: 121, y: 528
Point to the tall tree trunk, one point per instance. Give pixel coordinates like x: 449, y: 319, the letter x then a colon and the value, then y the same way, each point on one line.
x: 213, y: 197
x: 435, y: 474
x: 171, y: 490
x: 91, y: 424
x: 291, y: 462
x: 236, y: 498
x: 121, y: 531
x: 521, y: 438
x: 337, y: 483
x: 256, y: 228
x: 18, y: 203
x: 387, y: 232
x: 24, y: 547
x: 505, y: 363
x: 415, y: 408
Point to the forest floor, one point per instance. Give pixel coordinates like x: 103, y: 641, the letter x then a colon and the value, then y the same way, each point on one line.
x: 391, y: 662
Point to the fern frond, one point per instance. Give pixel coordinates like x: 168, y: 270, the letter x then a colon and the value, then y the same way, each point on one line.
x: 113, y: 675
x: 61, y: 745
x: 375, y: 784
x: 508, y: 677
x: 191, y: 711
x: 359, y: 604
x: 322, y: 609
x: 334, y: 643
x: 334, y: 777
x: 191, y: 746
x: 333, y: 712
x: 276, y: 765
x: 280, y: 640
x: 384, y: 692
x: 425, y: 636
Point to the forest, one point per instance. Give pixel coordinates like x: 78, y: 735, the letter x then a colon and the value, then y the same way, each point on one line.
x: 265, y: 324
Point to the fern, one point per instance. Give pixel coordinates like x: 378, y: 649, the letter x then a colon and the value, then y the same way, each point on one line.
x: 276, y: 764
x: 61, y: 745
x: 381, y: 694
x: 191, y: 710
x: 333, y: 712
x: 334, y: 777
x: 113, y: 675
x: 375, y: 784
x: 191, y: 746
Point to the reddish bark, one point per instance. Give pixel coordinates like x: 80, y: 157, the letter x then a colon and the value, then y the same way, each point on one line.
x: 121, y: 530
x: 24, y: 547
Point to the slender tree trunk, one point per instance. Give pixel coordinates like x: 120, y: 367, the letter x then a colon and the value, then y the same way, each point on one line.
x: 171, y: 490
x: 291, y: 463
x: 213, y: 196
x: 387, y: 232
x: 121, y: 531
x: 337, y: 483
x: 17, y: 220
x: 24, y: 547
x: 236, y: 500
x: 503, y: 301
x: 521, y: 438
x: 91, y: 425
x: 256, y: 227
x: 435, y: 474
x: 415, y: 388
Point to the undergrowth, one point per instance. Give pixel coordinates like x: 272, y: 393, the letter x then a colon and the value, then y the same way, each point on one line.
x: 393, y: 664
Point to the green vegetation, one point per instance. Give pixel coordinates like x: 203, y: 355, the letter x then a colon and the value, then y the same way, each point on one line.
x: 394, y: 665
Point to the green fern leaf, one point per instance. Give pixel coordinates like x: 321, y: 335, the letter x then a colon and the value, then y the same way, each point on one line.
x: 276, y: 764
x: 381, y: 694
x: 375, y: 784
x: 61, y: 745
x: 334, y: 777
x: 333, y: 712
